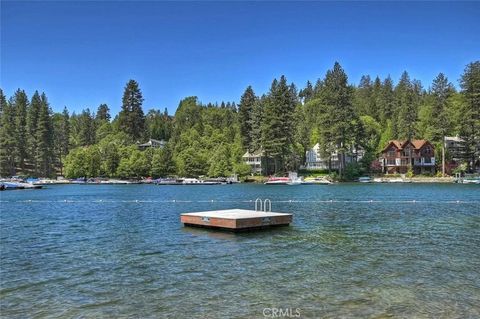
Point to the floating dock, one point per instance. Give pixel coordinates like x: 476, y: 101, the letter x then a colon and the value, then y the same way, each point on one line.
x: 236, y: 219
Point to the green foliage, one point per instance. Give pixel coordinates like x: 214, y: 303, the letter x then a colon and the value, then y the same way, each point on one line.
x: 407, y: 97
x: 220, y: 164
x: 307, y: 93
x: 278, y: 124
x: 245, y: 113
x: 462, y: 168
x: 159, y: 125
x: 162, y: 163
x: 103, y: 113
x: 386, y: 136
x: 7, y: 137
x: 187, y: 116
x: 352, y: 172
x: 191, y: 163
x: 242, y: 169
x: 32, y: 119
x: 20, y: 105
x: 409, y: 173
x: 134, y: 164
x: 211, y: 139
x: 76, y: 164
x: 44, y: 153
x: 470, y: 110
x: 83, y: 129
x: 337, y: 121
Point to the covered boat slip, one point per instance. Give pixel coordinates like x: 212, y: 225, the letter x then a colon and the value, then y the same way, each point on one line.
x: 236, y: 219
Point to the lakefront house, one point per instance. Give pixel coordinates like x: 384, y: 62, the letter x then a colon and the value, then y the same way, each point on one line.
x: 314, y: 161
x: 254, y: 159
x: 400, y: 156
x: 152, y: 143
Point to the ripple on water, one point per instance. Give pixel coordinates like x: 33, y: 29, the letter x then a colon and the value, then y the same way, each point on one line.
x: 119, y: 251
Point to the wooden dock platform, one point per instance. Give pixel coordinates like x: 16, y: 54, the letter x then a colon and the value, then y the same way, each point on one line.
x: 236, y: 219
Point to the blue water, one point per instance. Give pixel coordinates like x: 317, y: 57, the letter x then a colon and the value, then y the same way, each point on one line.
x: 353, y: 250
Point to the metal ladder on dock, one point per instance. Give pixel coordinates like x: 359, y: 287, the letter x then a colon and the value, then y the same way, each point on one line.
x: 263, y: 205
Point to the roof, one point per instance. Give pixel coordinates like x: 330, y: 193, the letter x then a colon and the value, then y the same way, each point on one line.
x: 152, y: 142
x: 417, y: 144
x: 454, y: 139
x: 254, y: 153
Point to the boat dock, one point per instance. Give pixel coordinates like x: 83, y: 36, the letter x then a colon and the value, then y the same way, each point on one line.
x: 238, y: 219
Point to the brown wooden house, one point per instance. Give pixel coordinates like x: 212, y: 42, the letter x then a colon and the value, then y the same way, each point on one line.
x: 399, y: 156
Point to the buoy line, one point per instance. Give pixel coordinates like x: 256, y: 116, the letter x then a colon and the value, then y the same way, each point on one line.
x: 286, y: 201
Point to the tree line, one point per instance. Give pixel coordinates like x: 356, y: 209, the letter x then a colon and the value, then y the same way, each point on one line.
x: 210, y: 139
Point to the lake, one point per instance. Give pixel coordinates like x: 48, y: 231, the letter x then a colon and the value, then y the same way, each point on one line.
x: 353, y: 250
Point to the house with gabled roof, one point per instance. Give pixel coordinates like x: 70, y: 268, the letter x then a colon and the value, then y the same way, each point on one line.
x: 255, y: 160
x: 399, y: 156
x: 152, y: 143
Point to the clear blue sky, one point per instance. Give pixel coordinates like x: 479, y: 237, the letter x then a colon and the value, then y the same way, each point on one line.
x: 82, y: 53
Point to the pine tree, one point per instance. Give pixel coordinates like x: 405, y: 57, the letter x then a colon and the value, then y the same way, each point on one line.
x: 407, y: 103
x: 32, y: 120
x: 3, y: 101
x: 245, y: 113
x: 337, y: 121
x: 61, y: 136
x: 87, y: 128
x: 441, y: 91
x: 44, y: 138
x: 103, y: 113
x: 257, y: 120
x: 386, y: 102
x: 131, y: 118
x: 7, y: 137
x: 278, y: 127
x: 19, y: 103
x: 364, y: 97
x: 376, y: 99
x: 307, y: 93
x: 470, y: 126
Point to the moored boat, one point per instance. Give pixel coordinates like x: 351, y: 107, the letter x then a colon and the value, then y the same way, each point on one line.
x: 472, y: 180
x: 194, y: 181
x: 277, y: 181
x: 316, y: 181
x: 11, y: 186
x: 365, y: 179
x: 168, y: 181
x: 294, y: 183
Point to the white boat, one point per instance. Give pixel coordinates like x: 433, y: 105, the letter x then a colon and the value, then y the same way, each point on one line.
x: 365, y: 179
x: 277, y: 181
x: 18, y: 185
x: 316, y: 181
x: 395, y: 180
x: 194, y: 181
x: 471, y: 180
x: 296, y: 182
